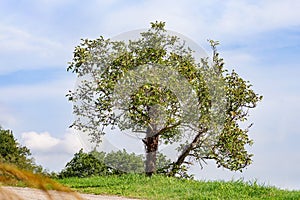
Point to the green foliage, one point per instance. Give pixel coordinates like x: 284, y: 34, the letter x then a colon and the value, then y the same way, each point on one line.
x: 123, y: 161
x: 98, y: 163
x: 162, y: 161
x: 213, y: 123
x: 12, y: 152
x: 13, y: 176
x: 161, y: 187
x: 84, y: 165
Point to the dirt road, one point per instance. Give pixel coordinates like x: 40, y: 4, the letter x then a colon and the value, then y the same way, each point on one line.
x: 35, y: 194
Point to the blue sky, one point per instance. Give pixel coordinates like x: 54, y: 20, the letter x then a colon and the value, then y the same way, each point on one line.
x: 259, y: 39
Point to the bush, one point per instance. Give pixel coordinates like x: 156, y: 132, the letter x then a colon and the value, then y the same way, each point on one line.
x: 97, y: 163
x: 11, y: 152
x: 125, y: 162
x: 84, y: 165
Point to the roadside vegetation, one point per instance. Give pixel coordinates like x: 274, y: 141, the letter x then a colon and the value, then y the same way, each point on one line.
x: 18, y: 168
x: 162, y: 187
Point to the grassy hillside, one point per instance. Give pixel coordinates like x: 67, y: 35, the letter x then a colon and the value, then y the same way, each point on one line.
x: 159, y: 187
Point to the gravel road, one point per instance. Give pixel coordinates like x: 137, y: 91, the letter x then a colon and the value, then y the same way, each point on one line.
x: 35, y: 194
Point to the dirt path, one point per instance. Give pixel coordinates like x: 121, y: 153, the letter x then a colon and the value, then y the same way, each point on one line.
x: 35, y: 194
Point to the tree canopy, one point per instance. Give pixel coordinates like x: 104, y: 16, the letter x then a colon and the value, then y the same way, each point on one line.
x: 156, y: 86
x: 12, y: 152
x: 84, y: 165
x: 99, y: 163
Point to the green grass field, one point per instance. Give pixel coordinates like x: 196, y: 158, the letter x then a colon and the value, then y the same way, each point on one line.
x: 159, y: 187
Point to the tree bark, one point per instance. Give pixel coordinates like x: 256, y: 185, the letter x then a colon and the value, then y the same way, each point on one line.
x: 151, y: 147
x: 185, y: 153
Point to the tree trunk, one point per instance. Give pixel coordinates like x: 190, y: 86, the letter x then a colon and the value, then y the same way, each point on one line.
x: 185, y: 153
x: 151, y: 147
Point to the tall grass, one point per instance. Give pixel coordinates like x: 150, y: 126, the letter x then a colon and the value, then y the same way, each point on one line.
x: 11, y: 175
x: 139, y: 186
x: 160, y: 187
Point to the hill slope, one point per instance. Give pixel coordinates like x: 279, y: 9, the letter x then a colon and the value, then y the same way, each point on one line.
x: 159, y: 187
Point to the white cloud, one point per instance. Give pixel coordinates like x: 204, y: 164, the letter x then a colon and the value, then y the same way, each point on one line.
x: 229, y: 20
x: 47, y: 143
x: 39, y: 141
x: 141, y: 14
x: 71, y: 142
x: 49, y: 151
x: 218, y: 19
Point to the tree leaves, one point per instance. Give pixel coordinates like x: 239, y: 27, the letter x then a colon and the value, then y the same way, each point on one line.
x: 223, y: 99
x: 12, y: 152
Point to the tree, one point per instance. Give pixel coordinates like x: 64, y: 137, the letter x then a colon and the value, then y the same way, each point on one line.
x: 97, y: 163
x: 84, y: 165
x: 12, y: 152
x: 125, y: 162
x: 155, y: 86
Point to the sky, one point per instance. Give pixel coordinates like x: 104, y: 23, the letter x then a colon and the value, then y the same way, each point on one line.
x: 259, y: 39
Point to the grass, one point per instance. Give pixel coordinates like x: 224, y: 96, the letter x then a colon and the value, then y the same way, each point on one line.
x: 159, y: 187
x: 12, y: 176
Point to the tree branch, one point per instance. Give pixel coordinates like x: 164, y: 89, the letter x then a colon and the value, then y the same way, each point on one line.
x: 186, y: 151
